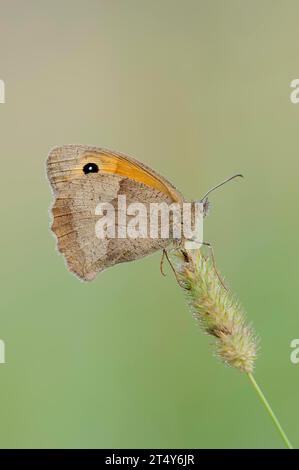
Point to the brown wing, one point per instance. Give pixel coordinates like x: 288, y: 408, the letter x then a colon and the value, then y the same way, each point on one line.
x: 77, y: 195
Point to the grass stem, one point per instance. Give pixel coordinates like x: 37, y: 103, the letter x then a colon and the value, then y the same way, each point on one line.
x: 270, y: 411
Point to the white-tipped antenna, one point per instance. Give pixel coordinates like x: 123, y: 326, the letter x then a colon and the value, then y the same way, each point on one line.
x: 221, y: 184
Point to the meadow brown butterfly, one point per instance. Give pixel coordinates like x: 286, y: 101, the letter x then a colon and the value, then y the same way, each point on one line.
x: 90, y: 181
x: 82, y: 177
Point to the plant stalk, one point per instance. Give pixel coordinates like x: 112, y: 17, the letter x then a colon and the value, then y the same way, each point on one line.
x: 270, y: 411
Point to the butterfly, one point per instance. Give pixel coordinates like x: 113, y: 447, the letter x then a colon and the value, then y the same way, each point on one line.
x: 81, y: 176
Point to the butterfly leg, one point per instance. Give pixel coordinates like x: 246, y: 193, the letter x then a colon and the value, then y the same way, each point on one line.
x: 165, y: 254
x: 162, y: 262
x: 214, y: 264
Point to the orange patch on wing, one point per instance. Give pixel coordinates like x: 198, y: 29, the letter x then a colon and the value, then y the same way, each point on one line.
x: 121, y: 166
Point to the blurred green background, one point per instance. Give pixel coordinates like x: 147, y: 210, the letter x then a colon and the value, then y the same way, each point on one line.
x: 198, y: 90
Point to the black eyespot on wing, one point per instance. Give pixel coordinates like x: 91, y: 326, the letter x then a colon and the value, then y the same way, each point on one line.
x: 90, y: 168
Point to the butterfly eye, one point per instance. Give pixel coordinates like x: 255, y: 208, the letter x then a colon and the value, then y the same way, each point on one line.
x: 90, y: 168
